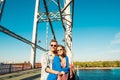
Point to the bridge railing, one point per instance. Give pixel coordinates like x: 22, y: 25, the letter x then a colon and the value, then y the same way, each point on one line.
x: 9, y: 68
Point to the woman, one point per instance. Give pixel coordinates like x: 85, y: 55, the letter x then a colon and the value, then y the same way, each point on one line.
x: 60, y: 64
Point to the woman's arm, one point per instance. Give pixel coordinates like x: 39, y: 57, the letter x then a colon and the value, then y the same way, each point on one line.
x: 56, y: 67
x: 56, y: 64
x: 48, y: 70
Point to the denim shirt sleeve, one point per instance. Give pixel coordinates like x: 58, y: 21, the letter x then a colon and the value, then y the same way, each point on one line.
x: 56, y: 64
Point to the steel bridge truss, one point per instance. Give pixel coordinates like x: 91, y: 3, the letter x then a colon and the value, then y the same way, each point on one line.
x: 50, y: 11
x: 59, y: 14
x: 47, y: 11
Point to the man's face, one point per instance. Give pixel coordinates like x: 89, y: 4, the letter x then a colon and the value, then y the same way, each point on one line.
x: 53, y: 46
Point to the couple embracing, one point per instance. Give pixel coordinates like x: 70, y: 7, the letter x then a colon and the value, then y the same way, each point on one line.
x: 55, y: 64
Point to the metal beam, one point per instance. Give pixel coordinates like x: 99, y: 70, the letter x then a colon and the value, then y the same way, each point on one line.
x: 46, y: 8
x: 16, y: 36
x: 54, y: 16
x: 72, y: 13
x: 66, y: 6
x: 61, y: 15
x: 34, y: 36
x: 2, y: 3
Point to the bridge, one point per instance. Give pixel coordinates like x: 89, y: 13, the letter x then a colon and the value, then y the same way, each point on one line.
x: 43, y: 13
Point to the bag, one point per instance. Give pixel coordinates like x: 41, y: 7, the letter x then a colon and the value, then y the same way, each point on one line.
x: 71, y: 75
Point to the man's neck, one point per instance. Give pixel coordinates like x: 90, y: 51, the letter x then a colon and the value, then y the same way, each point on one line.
x: 53, y: 53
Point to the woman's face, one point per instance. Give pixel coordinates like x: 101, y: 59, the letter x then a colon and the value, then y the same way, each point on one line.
x: 60, y: 51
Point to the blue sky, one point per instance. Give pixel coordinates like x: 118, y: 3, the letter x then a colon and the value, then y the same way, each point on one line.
x: 96, y: 30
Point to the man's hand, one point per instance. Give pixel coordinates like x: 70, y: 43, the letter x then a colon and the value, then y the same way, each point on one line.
x: 61, y: 73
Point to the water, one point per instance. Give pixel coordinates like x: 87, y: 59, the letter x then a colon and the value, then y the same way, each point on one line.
x: 111, y: 74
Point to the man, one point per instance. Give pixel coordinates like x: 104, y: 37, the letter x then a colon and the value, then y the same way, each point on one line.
x: 47, y: 59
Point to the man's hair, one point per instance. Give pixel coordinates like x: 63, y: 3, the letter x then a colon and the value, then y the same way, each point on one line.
x: 53, y: 40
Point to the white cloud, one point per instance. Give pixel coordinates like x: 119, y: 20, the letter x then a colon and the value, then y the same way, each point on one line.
x: 117, y: 36
x: 113, y: 51
x: 116, y: 39
x: 114, y: 46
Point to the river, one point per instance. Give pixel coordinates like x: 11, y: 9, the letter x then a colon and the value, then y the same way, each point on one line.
x: 98, y: 74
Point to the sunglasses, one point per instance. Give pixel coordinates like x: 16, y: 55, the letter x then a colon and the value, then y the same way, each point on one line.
x: 53, y: 45
x: 60, y: 50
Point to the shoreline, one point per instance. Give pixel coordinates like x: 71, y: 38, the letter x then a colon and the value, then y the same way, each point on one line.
x: 94, y: 68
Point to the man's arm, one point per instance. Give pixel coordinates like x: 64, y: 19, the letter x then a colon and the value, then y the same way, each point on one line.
x: 44, y: 65
x: 44, y: 62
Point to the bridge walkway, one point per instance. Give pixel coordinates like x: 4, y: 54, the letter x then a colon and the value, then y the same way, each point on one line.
x: 32, y: 74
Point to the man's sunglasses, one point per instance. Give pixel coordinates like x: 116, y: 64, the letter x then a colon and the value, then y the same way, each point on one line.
x: 53, y: 45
